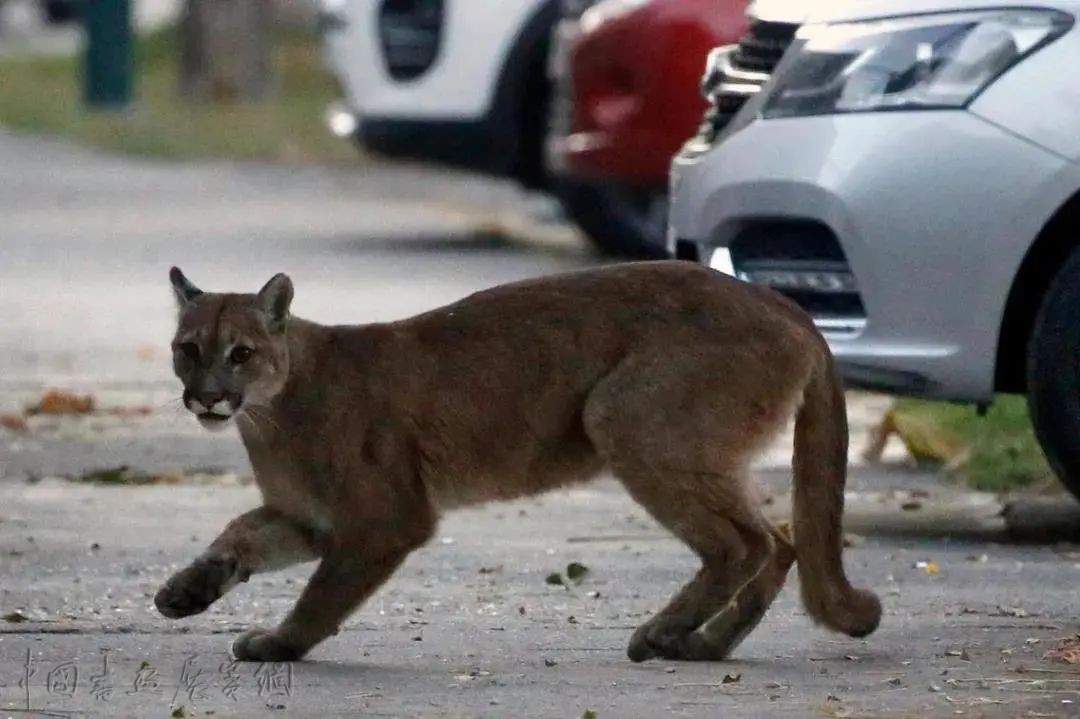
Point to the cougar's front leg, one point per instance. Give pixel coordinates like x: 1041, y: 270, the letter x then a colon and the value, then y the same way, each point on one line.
x: 349, y: 573
x: 261, y: 540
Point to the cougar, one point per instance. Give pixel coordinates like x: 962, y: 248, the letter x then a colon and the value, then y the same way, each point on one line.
x: 668, y: 374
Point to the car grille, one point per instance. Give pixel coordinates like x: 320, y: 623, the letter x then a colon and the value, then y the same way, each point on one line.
x: 802, y: 260
x: 739, y: 73
x: 410, y: 33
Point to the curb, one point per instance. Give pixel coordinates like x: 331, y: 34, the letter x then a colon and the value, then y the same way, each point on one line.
x: 969, y: 515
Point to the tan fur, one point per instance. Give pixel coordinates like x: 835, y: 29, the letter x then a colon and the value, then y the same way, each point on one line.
x: 670, y: 374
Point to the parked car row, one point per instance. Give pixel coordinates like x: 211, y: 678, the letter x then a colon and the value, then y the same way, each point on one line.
x: 625, y: 81
x: 588, y: 100
x: 905, y: 171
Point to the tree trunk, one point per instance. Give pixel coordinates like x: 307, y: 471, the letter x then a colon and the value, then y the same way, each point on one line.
x: 225, y: 53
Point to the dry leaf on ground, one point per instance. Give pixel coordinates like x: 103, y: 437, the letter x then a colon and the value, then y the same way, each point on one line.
x: 928, y: 567
x: 14, y: 422
x: 924, y: 441
x: 1068, y: 652
x: 61, y: 402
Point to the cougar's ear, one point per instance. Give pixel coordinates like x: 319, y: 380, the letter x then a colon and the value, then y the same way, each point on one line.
x: 274, y: 300
x: 182, y: 287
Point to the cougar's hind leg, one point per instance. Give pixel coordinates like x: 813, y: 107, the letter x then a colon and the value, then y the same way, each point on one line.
x: 679, y: 436
x: 733, y: 543
x: 719, y: 636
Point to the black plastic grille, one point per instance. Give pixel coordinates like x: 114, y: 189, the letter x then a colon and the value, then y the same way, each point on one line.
x: 802, y: 260
x: 763, y: 46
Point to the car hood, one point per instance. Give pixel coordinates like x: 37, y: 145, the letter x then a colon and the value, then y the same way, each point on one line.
x: 800, y: 11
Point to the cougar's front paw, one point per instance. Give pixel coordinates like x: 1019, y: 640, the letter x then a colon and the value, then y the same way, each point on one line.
x: 264, y: 645
x: 195, y: 588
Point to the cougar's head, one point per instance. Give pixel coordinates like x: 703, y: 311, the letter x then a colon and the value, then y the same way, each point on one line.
x: 230, y: 350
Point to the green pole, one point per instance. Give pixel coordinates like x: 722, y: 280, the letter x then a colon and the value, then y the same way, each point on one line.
x: 109, y: 63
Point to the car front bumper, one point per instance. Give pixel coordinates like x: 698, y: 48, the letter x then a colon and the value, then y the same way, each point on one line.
x: 930, y: 213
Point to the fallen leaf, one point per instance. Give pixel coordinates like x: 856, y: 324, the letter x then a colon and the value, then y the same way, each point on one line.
x: 554, y: 578
x: 925, y: 440
x: 911, y: 505
x: 1068, y: 652
x: 61, y: 402
x: 731, y: 679
x: 928, y: 567
x: 178, y: 713
x: 14, y: 422
x: 588, y: 714
x: 15, y: 618
x: 575, y: 572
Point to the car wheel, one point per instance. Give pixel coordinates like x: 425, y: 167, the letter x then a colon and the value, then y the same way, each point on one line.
x: 619, y: 221
x: 1053, y: 374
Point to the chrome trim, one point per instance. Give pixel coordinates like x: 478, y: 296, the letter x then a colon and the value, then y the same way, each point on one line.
x: 738, y: 88
x: 840, y: 325
x: 748, y: 76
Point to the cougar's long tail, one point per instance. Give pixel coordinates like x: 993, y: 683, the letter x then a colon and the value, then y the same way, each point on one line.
x: 820, y: 463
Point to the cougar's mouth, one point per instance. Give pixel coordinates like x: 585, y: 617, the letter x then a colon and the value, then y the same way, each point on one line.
x: 212, y: 420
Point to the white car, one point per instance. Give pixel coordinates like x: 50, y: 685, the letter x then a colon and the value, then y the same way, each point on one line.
x: 908, y: 173
x: 458, y: 82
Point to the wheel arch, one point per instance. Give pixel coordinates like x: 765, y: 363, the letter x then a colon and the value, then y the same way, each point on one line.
x: 1057, y: 239
x: 522, y: 95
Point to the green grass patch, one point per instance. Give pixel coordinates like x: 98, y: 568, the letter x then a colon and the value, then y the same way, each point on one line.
x: 1004, y: 452
x: 44, y: 95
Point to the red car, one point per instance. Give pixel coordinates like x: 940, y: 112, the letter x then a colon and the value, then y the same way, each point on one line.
x: 626, y: 77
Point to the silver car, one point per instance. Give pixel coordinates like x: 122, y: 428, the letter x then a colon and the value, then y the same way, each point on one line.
x: 908, y: 172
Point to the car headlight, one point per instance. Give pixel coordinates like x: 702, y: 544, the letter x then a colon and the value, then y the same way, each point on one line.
x: 922, y: 62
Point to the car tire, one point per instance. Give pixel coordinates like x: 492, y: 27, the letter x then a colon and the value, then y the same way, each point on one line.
x: 1053, y: 374
x: 625, y: 222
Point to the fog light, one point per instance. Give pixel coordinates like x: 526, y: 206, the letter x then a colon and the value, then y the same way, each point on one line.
x: 340, y: 121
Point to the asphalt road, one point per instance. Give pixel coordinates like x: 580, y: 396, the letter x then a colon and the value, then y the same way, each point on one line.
x: 469, y: 627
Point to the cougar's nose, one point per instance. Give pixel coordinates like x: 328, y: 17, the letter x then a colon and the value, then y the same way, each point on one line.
x: 208, y: 402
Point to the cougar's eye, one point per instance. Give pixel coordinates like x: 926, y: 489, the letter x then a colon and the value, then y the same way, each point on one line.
x: 190, y: 350
x: 240, y: 355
